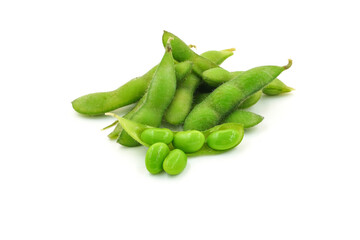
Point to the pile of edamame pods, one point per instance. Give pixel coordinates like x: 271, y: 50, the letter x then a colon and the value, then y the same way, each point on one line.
x: 189, y: 90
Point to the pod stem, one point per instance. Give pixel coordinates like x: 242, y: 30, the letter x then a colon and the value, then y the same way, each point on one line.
x: 113, y: 124
x: 288, y: 65
x: 168, y: 45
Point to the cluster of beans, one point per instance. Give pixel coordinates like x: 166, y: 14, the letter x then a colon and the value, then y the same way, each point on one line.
x: 189, y: 90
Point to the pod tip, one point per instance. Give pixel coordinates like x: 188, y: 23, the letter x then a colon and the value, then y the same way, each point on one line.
x: 288, y: 65
x: 110, y: 114
x: 192, y: 46
x: 230, y: 49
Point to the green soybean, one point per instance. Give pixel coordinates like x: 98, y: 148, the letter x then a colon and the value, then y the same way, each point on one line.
x: 156, y: 99
x: 276, y: 87
x: 229, y: 95
x: 155, y: 135
x: 155, y: 157
x: 224, y: 139
x: 189, y: 141
x: 175, y: 162
x: 136, y: 129
x: 246, y: 118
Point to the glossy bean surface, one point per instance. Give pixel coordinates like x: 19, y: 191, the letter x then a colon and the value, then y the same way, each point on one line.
x: 155, y: 135
x: 189, y: 141
x: 175, y: 162
x: 155, y: 157
x: 224, y: 139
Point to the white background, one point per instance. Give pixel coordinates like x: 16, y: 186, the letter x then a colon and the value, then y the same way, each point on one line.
x: 294, y: 176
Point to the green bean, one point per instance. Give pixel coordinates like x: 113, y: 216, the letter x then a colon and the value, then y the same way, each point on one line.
x: 156, y: 99
x: 155, y: 157
x: 276, y: 87
x: 155, y: 135
x: 224, y: 139
x: 246, y: 118
x: 182, y: 52
x: 189, y: 141
x: 175, y: 162
x: 135, y: 130
x: 229, y: 95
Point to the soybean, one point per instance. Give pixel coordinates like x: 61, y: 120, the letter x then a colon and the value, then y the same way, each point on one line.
x: 175, y: 162
x: 155, y: 157
x: 189, y: 141
x: 156, y: 99
x: 155, y: 135
x: 229, y: 95
x: 224, y: 139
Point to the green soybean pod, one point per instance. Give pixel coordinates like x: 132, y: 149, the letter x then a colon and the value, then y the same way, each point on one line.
x: 182, y: 52
x: 229, y: 95
x: 155, y: 157
x: 218, y: 57
x: 181, y: 104
x: 182, y: 69
x: 175, y: 162
x: 224, y: 139
x: 157, y: 98
x: 250, y: 101
x: 101, y: 102
x: 246, y: 118
x: 155, y: 135
x: 276, y: 87
x: 214, y: 77
x: 189, y: 141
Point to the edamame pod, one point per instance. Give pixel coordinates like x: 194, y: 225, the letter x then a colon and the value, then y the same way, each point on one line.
x: 218, y: 57
x: 101, y: 102
x: 229, y: 95
x: 182, y: 52
x: 246, y: 118
x: 181, y: 104
x: 156, y: 99
x: 276, y: 87
x: 250, y: 101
